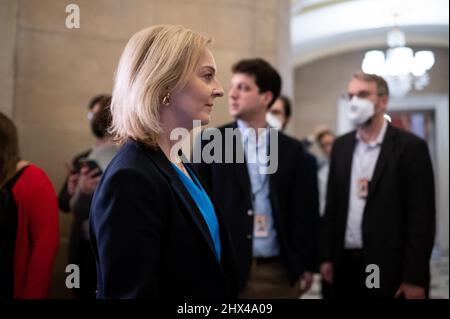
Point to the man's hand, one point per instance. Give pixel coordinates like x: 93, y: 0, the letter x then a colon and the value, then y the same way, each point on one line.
x: 305, y: 282
x: 410, y: 291
x: 326, y: 270
x: 88, y: 181
x: 72, y: 183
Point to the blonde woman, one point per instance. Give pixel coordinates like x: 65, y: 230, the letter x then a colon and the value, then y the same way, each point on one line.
x: 156, y: 232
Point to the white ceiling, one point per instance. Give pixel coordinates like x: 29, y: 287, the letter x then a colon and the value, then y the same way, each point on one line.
x: 321, y: 28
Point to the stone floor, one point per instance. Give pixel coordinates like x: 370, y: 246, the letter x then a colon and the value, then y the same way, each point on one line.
x: 439, y: 279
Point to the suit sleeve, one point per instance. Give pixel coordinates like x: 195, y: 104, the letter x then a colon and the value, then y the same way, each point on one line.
x: 420, y: 207
x: 314, y: 212
x: 303, y: 227
x: 327, y: 220
x: 127, y: 220
x: 64, y: 198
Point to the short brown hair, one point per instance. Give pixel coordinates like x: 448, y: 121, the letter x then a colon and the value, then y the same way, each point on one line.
x: 382, y: 86
x: 266, y: 77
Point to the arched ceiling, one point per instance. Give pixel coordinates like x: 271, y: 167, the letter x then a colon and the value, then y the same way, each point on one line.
x: 321, y: 28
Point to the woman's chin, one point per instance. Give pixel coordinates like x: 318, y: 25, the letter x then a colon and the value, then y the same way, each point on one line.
x: 205, y: 119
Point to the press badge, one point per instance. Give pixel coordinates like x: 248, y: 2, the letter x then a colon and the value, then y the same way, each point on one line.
x: 260, y: 226
x: 363, y: 187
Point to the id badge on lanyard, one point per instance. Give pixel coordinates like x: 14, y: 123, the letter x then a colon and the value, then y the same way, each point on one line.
x: 260, y: 226
x: 363, y: 188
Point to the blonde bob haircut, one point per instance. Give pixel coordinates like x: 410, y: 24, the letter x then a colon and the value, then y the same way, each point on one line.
x: 156, y: 61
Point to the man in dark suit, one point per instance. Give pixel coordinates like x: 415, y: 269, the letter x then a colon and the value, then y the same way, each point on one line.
x: 278, y: 116
x: 379, y: 223
x: 269, y: 220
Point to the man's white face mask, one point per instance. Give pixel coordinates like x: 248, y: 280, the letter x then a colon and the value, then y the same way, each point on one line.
x: 273, y: 121
x: 361, y: 110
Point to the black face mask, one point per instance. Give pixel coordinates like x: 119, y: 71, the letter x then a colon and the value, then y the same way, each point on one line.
x: 98, y: 128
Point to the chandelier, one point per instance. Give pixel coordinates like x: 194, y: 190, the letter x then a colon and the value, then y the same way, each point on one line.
x: 400, y: 66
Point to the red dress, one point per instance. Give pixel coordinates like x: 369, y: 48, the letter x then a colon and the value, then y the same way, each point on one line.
x: 37, y: 236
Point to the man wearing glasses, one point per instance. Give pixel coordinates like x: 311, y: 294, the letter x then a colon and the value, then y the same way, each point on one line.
x: 379, y: 223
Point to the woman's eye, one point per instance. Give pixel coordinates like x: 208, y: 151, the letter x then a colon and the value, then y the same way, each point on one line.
x: 208, y: 76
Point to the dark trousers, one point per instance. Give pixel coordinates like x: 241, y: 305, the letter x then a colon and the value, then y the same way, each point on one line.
x: 349, y: 280
x: 326, y: 290
x: 88, y: 274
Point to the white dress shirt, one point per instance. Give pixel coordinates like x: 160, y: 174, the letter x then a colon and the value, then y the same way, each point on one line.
x: 364, y: 160
x: 265, y: 243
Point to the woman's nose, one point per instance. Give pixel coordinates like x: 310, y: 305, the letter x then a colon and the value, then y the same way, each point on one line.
x: 218, y: 91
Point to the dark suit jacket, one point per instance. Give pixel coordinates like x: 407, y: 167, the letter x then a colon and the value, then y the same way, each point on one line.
x: 294, y: 221
x: 149, y: 238
x: 399, y: 217
x: 312, y: 198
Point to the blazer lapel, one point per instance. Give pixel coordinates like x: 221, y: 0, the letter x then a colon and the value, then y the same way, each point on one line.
x: 193, y: 210
x: 225, y: 239
x: 163, y: 164
x: 386, y: 150
x: 347, y: 160
x: 240, y: 169
x: 273, y: 194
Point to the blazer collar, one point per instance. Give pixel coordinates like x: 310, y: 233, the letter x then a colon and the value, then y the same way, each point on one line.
x: 240, y: 169
x: 157, y: 156
x: 387, y: 147
x: 347, y: 151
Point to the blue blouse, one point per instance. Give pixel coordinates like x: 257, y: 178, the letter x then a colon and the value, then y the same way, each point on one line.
x: 204, y: 204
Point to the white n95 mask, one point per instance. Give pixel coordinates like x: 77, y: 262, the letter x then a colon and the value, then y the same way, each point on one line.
x: 273, y: 121
x: 360, y: 110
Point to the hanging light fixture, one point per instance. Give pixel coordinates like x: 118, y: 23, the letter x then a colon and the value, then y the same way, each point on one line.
x: 400, y: 66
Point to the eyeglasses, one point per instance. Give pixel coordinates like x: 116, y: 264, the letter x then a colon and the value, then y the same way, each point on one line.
x: 361, y: 94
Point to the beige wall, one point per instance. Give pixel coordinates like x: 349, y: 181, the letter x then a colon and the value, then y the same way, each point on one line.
x: 318, y: 86
x: 48, y: 73
x: 8, y: 22
x: 58, y: 69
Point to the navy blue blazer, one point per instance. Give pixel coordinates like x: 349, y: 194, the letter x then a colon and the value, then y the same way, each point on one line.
x: 149, y: 238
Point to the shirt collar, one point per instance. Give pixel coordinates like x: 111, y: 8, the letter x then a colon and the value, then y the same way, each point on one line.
x: 243, y: 128
x: 379, y: 139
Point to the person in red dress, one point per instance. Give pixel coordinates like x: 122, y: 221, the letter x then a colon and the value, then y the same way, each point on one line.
x: 32, y: 220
